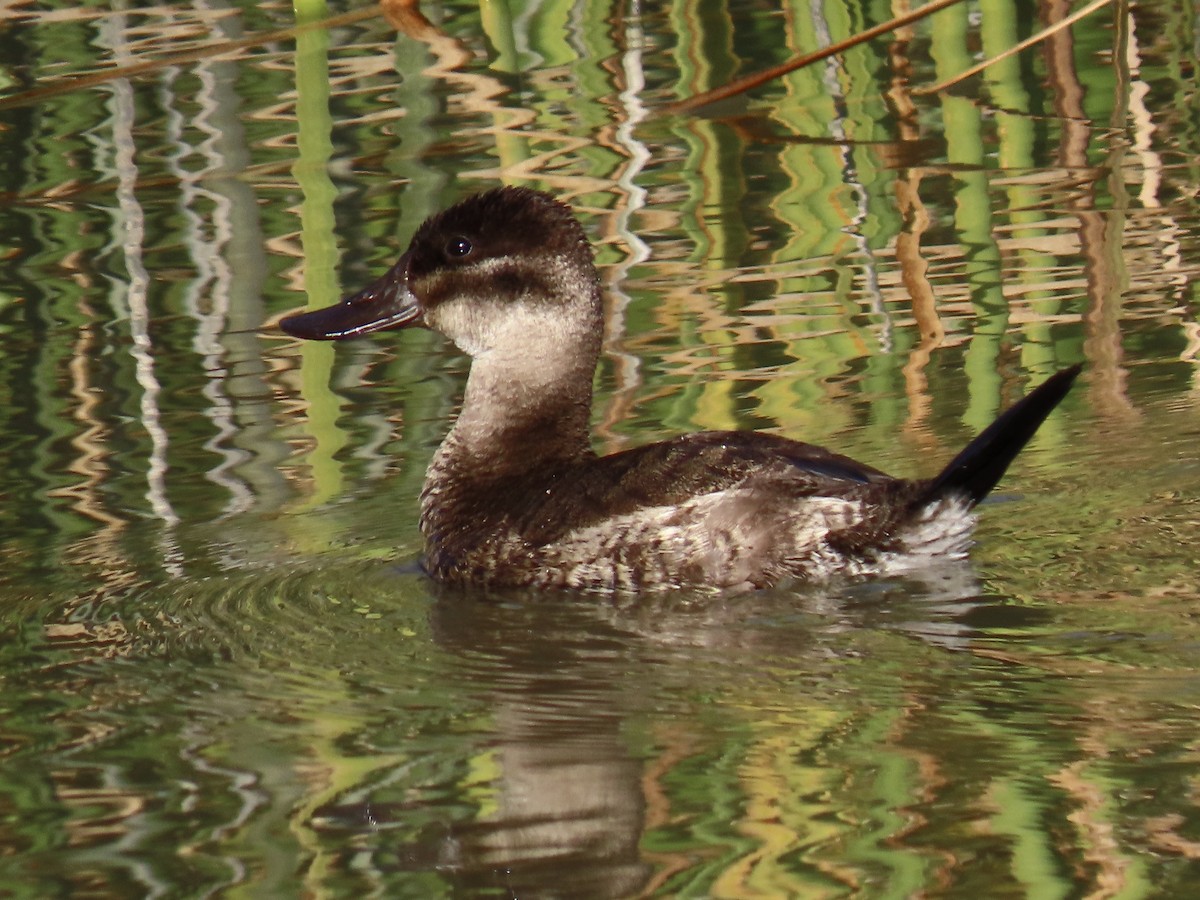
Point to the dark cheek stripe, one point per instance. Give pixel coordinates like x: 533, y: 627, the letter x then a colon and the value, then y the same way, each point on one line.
x: 504, y: 284
x: 438, y: 287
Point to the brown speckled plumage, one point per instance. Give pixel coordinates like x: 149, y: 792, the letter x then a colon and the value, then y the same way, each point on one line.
x: 515, y: 495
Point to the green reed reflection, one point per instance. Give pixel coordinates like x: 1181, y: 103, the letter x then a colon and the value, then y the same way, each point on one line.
x: 319, y: 246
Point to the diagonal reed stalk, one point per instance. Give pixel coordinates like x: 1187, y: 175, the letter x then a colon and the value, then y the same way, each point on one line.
x: 749, y: 82
x: 206, y: 51
x: 1042, y: 35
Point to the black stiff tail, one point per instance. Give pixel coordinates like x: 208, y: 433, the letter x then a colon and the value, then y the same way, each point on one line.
x: 974, y: 472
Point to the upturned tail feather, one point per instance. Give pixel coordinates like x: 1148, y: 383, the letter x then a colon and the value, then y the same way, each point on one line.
x: 982, y: 463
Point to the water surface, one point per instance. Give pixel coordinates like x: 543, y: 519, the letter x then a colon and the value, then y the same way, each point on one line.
x: 221, y: 670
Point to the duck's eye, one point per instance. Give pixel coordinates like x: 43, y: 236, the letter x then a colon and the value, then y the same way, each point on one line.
x: 458, y: 248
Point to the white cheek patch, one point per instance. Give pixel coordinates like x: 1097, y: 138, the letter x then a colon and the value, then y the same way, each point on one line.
x: 458, y: 320
x: 516, y: 327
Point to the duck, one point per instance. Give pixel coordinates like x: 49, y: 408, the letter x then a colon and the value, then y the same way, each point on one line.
x: 516, y: 497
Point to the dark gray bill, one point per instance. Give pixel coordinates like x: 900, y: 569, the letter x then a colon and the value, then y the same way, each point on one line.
x: 388, y: 303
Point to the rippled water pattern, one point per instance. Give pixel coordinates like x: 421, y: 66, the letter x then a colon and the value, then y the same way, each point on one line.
x: 222, y: 672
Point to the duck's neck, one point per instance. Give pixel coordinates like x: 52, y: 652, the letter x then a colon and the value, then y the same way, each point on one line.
x: 524, y: 408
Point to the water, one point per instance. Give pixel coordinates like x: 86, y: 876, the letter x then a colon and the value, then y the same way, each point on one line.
x: 221, y: 672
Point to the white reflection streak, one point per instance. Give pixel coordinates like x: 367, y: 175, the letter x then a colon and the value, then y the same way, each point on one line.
x: 850, y: 177
x: 1143, y: 122
x: 213, y: 276
x: 1152, y: 167
x: 1191, y: 353
x: 243, y: 785
x: 131, y: 218
x: 639, y: 251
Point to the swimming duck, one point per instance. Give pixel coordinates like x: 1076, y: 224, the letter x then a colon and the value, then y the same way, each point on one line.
x: 515, y: 495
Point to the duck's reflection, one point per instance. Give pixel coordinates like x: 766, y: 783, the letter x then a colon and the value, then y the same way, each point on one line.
x: 566, y: 806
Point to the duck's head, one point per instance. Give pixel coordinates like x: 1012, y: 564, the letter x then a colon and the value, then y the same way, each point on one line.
x: 495, y: 268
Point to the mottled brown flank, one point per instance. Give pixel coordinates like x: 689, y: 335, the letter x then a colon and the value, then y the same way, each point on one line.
x: 515, y: 496
x: 709, y: 509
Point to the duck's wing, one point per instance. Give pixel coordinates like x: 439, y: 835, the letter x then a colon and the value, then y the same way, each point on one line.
x: 674, y: 472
